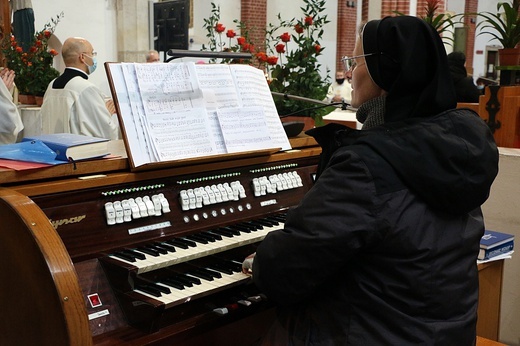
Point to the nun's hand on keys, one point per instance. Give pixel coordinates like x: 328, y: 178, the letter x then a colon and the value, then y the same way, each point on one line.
x: 247, y: 265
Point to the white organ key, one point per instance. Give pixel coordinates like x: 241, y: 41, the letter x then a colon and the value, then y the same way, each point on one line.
x: 229, y: 191
x: 205, y: 196
x: 223, y: 193
x: 198, y: 197
x: 127, y: 211
x: 200, y: 250
x: 136, y: 214
x: 119, y: 212
x: 156, y: 205
x: 164, y: 203
x: 150, y: 208
x: 288, y: 180
x: 216, y: 192
x: 257, y: 190
x: 211, y: 195
x: 110, y: 213
x: 177, y: 295
x: 298, y: 178
x: 143, y: 211
x: 184, y: 200
x: 192, y: 199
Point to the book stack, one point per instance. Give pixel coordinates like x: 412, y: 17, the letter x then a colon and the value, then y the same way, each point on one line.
x: 494, y: 244
x: 73, y: 147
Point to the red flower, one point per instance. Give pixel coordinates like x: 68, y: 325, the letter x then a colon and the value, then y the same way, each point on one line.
x: 33, y: 49
x: 261, y: 56
x: 53, y: 52
x: 285, y: 37
x: 280, y: 48
x: 47, y: 33
x: 38, y: 43
x: 298, y: 28
x: 231, y: 33
x: 220, y: 28
x: 272, y: 60
x: 246, y: 47
x: 19, y: 49
x: 251, y: 48
x: 317, y: 48
x: 308, y: 20
x: 241, y: 41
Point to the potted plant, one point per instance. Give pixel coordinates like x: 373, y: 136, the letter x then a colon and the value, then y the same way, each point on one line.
x: 504, y: 25
x: 33, y: 68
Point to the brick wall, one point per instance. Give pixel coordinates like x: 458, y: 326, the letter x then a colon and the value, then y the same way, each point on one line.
x: 253, y: 14
x: 346, y: 30
x: 388, y: 6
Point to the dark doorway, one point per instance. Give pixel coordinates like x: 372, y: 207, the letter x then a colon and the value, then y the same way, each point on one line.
x: 171, y: 21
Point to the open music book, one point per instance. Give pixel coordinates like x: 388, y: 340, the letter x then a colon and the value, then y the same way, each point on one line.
x: 174, y: 111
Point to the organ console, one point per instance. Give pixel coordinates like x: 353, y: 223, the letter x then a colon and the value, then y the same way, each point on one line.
x: 95, y: 254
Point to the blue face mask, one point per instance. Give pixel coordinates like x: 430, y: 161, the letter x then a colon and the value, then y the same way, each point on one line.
x: 93, y: 67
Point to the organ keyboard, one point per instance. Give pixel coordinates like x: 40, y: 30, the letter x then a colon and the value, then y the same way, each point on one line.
x: 155, y: 255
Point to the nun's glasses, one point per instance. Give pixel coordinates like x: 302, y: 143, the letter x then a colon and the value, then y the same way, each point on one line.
x: 350, y: 61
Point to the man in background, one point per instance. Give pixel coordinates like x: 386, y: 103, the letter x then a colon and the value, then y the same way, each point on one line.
x: 339, y: 90
x: 152, y: 56
x: 10, y: 122
x: 465, y: 87
x: 72, y: 103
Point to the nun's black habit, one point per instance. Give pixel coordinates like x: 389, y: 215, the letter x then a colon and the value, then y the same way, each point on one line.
x: 382, y: 250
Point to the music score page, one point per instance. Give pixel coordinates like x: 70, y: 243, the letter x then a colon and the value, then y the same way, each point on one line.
x: 172, y: 111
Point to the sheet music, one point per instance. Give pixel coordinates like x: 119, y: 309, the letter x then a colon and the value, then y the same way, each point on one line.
x: 138, y: 112
x: 133, y: 128
x: 217, y: 78
x: 252, y: 90
x: 244, y: 129
x: 182, y: 110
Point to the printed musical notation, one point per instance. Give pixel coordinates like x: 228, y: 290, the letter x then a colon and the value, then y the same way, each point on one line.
x: 183, y: 110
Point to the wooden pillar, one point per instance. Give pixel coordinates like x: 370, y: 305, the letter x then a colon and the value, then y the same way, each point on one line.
x: 500, y: 108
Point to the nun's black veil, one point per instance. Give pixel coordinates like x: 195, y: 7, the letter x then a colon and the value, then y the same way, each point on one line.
x: 409, y: 62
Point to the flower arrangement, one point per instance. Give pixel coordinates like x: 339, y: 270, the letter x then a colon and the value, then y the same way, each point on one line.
x: 290, y: 59
x: 33, y: 68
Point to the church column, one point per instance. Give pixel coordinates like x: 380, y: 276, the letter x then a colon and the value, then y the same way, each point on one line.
x: 132, y: 30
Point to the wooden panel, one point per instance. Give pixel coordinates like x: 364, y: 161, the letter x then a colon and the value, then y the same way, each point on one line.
x: 486, y: 342
x: 472, y: 106
x: 508, y: 134
x: 40, y: 297
x: 490, y: 291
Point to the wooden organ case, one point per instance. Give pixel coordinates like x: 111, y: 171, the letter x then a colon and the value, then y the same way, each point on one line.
x: 93, y: 254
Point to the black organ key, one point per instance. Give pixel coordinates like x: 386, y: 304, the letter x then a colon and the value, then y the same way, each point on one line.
x: 168, y: 247
x: 254, y: 224
x: 213, y: 235
x: 198, y: 239
x: 200, y: 274
x: 230, y: 230
x: 158, y: 249
x: 125, y: 256
x: 174, y: 283
x: 148, y: 251
x: 223, y: 232
x: 178, y: 243
x: 241, y: 228
x: 134, y: 253
x: 149, y: 289
x: 188, y: 242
